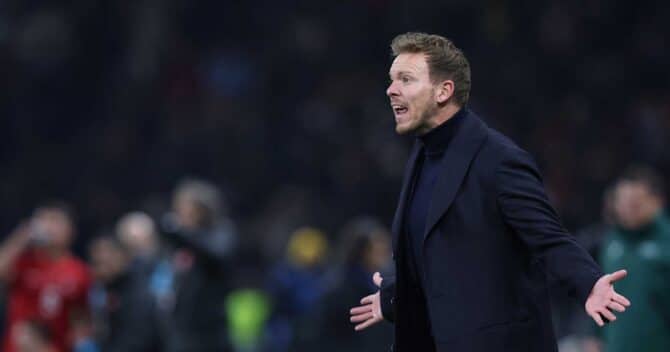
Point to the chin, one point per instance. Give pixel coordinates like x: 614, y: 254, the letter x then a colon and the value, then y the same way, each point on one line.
x: 403, y: 129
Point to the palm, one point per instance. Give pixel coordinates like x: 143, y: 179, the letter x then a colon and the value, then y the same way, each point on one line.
x: 603, y: 299
x: 370, y: 311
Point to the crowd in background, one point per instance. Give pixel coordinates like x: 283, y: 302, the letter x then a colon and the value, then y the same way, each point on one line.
x: 180, y: 284
x: 107, y: 105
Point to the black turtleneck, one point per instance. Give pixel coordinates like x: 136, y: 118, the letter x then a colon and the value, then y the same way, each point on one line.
x: 433, y: 145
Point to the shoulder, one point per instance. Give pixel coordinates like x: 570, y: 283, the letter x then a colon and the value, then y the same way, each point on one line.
x: 497, y: 147
x: 504, y: 148
x: 500, y: 153
x: 77, y: 266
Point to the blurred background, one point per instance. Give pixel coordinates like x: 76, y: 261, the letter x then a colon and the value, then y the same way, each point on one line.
x: 220, y: 176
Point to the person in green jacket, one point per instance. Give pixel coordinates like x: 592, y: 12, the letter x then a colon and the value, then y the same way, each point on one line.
x: 640, y: 242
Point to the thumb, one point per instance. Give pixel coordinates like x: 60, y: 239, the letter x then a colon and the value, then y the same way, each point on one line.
x: 377, y: 279
x: 617, y: 275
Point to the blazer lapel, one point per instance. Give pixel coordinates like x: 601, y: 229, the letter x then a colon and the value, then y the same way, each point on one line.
x: 453, y: 167
x: 398, y: 219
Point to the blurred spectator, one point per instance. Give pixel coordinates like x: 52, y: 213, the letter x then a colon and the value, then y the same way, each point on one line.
x: 124, y: 312
x: 46, y: 282
x: 137, y: 232
x: 365, y: 249
x: 295, y: 285
x: 640, y: 243
x: 247, y: 310
x: 204, y: 243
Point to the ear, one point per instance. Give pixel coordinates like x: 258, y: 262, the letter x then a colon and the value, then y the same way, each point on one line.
x: 444, y: 90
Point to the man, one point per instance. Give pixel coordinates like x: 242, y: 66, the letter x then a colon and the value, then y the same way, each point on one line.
x: 122, y: 304
x: 204, y: 242
x: 474, y: 237
x: 640, y: 242
x: 46, y: 283
x: 137, y: 232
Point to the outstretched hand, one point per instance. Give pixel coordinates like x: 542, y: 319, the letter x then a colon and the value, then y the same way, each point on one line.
x: 603, y: 298
x: 370, y: 310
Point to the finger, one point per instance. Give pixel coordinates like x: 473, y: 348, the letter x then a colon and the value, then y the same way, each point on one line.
x: 361, y: 310
x: 596, y: 317
x: 607, y: 314
x: 367, y: 299
x: 365, y: 324
x: 617, y: 275
x: 361, y: 317
x: 621, y: 299
x: 377, y: 279
x: 616, y: 306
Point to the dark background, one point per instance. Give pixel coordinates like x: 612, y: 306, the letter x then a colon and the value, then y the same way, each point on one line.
x: 107, y: 104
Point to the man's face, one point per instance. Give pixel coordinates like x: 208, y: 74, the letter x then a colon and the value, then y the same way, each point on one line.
x: 189, y: 214
x: 53, y: 228
x: 412, y: 93
x: 635, y: 205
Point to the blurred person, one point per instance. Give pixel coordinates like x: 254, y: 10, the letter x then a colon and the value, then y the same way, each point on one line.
x: 137, y: 232
x: 204, y: 242
x: 295, y: 286
x: 122, y: 305
x: 365, y: 249
x: 475, y: 239
x: 45, y: 281
x: 641, y: 242
x: 32, y: 336
x: 247, y: 311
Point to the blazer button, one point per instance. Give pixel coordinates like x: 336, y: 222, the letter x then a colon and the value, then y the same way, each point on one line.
x: 392, y: 300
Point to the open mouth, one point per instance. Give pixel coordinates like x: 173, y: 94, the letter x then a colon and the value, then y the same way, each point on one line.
x: 399, y: 109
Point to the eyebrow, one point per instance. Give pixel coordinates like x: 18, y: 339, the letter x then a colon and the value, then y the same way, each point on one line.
x: 401, y: 73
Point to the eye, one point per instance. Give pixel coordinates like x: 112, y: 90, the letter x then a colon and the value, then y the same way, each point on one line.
x: 405, y: 79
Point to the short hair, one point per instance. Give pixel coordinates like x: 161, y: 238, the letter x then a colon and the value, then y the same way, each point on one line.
x: 136, y: 217
x: 646, y: 176
x: 205, y: 195
x: 444, y: 59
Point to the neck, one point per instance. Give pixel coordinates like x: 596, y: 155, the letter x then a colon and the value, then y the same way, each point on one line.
x: 442, y: 115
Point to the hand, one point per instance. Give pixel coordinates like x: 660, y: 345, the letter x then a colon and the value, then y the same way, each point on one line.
x: 603, y: 298
x: 370, y: 310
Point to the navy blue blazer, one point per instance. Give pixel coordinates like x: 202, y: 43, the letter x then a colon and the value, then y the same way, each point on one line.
x: 491, y: 243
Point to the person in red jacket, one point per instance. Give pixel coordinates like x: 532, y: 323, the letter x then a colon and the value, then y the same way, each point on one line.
x: 45, y: 282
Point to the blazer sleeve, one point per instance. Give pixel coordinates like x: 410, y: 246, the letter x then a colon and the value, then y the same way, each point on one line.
x: 387, y: 295
x: 524, y: 206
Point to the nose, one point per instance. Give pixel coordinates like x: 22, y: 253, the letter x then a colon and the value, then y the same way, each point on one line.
x: 392, y: 90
